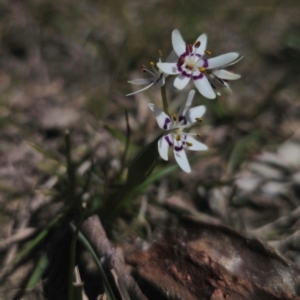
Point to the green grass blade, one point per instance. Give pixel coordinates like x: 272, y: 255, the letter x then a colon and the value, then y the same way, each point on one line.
x: 38, y: 271
x: 45, y: 153
x: 107, y: 287
x: 120, y: 136
x: 128, y: 134
x: 36, y: 241
x: 160, y: 174
x: 241, y: 149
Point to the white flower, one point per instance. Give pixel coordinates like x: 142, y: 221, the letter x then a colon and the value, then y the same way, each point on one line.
x: 158, y: 77
x: 176, y: 137
x: 192, y: 65
x: 219, y: 79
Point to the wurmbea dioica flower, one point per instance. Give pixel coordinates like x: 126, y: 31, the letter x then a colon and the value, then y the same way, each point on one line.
x: 175, y: 135
x: 219, y: 83
x: 219, y: 78
x: 158, y: 77
x: 191, y: 64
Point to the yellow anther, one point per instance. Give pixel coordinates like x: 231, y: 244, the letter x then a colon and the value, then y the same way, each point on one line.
x: 199, y: 119
x: 189, y: 144
x: 160, y: 53
x: 199, y: 134
x: 202, y: 69
x: 152, y: 64
x: 177, y: 137
x: 174, y: 117
x: 208, y: 52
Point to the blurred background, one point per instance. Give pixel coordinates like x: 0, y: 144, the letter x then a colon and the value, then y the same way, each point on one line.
x: 64, y: 65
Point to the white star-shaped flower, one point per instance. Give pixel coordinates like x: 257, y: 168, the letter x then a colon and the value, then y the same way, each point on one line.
x: 158, y: 77
x: 175, y: 136
x: 219, y: 78
x: 191, y: 64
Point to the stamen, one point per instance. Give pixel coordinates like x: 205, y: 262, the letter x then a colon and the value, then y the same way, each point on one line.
x: 221, y: 80
x: 160, y: 76
x: 143, y: 68
x: 199, y: 120
x: 189, y: 144
x: 197, y: 44
x: 199, y: 134
x: 160, y: 53
x: 202, y: 70
x: 208, y: 52
x: 180, y: 61
x: 152, y: 64
x: 174, y: 117
x: 189, y: 48
x: 177, y: 137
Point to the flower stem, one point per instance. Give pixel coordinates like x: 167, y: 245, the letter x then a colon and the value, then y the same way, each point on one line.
x: 164, y: 99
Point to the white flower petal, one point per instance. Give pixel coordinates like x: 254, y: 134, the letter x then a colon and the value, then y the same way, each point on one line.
x: 203, y: 41
x: 222, y: 60
x: 168, y: 68
x: 219, y: 85
x: 163, y: 146
x: 234, y: 62
x: 142, y: 81
x: 227, y: 88
x: 223, y: 74
x: 178, y: 42
x: 180, y: 157
x: 145, y: 88
x: 193, y: 113
x: 163, y: 120
x: 181, y: 81
x: 160, y: 82
x: 173, y: 57
x: 204, y: 88
x: 187, y: 103
x: 196, y: 145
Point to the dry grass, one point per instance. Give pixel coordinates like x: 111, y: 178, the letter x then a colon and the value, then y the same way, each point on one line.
x: 65, y: 65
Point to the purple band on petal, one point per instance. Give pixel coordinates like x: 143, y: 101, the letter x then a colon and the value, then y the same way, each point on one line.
x: 184, y: 73
x: 168, y: 140
x: 205, y: 63
x: 182, y: 118
x: 195, y: 77
x: 176, y: 148
x: 167, y: 121
x: 192, y: 54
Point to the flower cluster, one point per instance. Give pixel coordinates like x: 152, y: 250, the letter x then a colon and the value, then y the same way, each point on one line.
x: 188, y: 62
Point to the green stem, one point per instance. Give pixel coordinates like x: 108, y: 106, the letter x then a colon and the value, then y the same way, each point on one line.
x: 73, y: 254
x: 70, y: 169
x: 164, y: 99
